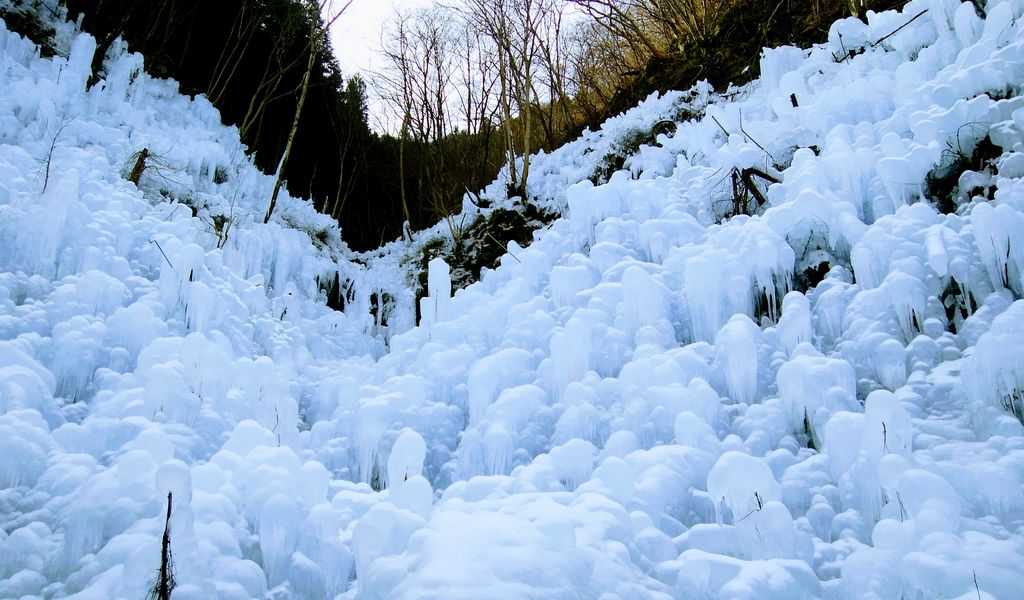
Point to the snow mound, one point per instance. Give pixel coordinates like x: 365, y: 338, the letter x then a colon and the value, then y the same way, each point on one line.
x: 668, y: 394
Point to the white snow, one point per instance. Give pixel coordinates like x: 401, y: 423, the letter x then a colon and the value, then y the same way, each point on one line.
x: 640, y: 404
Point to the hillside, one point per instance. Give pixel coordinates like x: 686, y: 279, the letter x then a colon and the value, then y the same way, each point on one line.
x: 777, y: 354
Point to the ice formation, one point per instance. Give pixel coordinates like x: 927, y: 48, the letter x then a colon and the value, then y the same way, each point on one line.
x: 655, y: 399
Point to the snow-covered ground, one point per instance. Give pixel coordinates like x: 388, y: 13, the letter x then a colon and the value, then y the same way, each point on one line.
x: 636, y: 406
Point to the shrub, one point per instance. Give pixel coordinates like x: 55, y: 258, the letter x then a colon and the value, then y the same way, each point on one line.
x: 627, y: 145
x: 942, y: 184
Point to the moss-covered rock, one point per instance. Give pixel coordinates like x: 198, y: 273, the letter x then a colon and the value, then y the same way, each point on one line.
x: 624, y: 147
x: 24, y: 21
x: 943, y: 183
x: 480, y: 245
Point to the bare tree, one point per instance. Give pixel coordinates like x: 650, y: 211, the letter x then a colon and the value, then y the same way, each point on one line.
x: 475, y: 80
x: 514, y: 28
x: 460, y: 81
x: 280, y: 61
x: 656, y: 26
x: 598, y: 63
x: 236, y: 44
x: 436, y: 78
x: 624, y: 19
x: 692, y: 21
x: 351, y: 151
x: 557, y: 114
x: 318, y: 30
x: 421, y: 77
x: 476, y: 83
x: 396, y: 86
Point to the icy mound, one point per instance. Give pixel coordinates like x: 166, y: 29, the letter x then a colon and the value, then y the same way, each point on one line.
x: 674, y: 392
x: 145, y: 325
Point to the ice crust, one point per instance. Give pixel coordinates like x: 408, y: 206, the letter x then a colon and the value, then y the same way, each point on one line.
x: 653, y: 400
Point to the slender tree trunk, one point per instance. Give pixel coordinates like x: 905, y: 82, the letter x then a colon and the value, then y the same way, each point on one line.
x: 401, y: 169
x: 222, y: 77
x: 165, y: 583
x: 313, y: 47
x: 510, y: 148
x: 258, y: 103
x: 527, y: 127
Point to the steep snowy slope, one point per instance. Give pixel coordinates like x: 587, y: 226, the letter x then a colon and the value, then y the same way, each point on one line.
x: 138, y: 324
x: 658, y: 398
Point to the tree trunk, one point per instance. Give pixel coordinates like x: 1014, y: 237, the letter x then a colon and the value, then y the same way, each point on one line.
x: 527, y: 130
x: 314, y: 44
x: 401, y: 169
x: 165, y: 583
x: 510, y: 148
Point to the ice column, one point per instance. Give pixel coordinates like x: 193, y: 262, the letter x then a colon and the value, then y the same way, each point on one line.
x: 434, y: 306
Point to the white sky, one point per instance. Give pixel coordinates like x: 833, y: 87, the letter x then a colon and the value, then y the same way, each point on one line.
x: 355, y: 37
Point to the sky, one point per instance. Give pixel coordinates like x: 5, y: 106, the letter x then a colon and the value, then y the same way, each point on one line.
x: 355, y: 38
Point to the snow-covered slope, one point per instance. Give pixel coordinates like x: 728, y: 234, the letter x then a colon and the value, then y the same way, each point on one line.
x: 641, y: 404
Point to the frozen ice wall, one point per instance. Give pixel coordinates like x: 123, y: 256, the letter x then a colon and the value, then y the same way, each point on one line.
x: 656, y: 399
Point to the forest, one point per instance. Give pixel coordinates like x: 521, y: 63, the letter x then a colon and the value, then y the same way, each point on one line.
x: 467, y: 88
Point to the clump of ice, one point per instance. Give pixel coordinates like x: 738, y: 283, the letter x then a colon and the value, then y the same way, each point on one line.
x: 382, y: 531
x: 25, y: 442
x: 489, y: 375
x: 843, y: 435
x: 26, y: 384
x: 568, y: 280
x: 887, y: 427
x: 614, y: 478
x: 407, y: 456
x: 434, y: 306
x: 278, y: 536
x: 992, y: 373
x: 700, y: 573
x: 692, y: 431
x: 741, y: 484
x: 795, y: 325
x: 812, y: 387
x: 574, y: 462
x: 642, y: 299
x: 570, y: 353
x: 737, y: 359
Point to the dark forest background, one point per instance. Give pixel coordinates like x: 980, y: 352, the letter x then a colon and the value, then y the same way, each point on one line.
x: 249, y: 57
